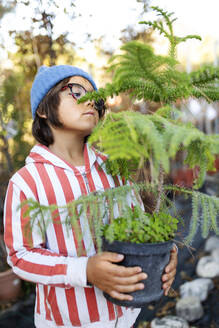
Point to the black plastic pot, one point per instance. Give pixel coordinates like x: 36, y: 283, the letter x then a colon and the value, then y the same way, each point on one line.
x: 152, y: 258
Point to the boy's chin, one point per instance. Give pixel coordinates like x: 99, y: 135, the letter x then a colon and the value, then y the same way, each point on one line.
x: 89, y: 131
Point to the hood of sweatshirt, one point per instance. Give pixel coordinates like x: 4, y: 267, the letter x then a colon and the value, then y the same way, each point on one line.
x: 42, y: 154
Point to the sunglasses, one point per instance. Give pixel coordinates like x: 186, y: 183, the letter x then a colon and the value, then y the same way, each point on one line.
x: 78, y: 91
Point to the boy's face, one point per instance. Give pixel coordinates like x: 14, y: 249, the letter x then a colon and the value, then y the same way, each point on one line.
x: 78, y: 118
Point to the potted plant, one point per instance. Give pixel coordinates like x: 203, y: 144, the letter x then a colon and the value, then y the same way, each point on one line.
x: 146, y: 240
x: 149, y: 142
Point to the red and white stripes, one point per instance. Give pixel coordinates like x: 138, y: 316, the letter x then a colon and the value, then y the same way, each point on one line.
x: 62, y: 297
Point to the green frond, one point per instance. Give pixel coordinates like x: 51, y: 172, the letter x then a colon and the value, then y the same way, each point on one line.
x: 167, y: 30
x: 205, y: 210
x: 213, y: 142
x: 169, y: 112
x: 145, y: 75
x: 209, y: 93
x: 188, y: 37
x: 205, y: 74
x: 205, y: 222
x: 214, y: 214
x: 194, y: 220
x: 133, y: 137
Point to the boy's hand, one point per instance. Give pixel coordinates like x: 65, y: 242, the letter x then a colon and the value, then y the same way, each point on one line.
x: 170, y: 271
x: 115, y: 280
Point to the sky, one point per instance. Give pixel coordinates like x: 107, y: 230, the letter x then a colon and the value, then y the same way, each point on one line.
x: 107, y: 18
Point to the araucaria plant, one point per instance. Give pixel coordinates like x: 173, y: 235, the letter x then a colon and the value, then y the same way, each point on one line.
x: 133, y: 141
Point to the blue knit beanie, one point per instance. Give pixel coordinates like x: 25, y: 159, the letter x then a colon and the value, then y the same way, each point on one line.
x: 48, y: 77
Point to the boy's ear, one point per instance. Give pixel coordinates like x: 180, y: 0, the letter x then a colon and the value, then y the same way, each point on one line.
x: 42, y: 115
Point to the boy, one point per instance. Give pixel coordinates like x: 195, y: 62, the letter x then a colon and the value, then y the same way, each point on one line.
x: 58, y: 170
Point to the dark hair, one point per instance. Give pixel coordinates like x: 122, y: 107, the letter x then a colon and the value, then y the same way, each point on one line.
x: 49, y: 106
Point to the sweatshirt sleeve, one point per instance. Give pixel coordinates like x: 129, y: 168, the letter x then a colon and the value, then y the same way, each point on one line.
x: 27, y: 254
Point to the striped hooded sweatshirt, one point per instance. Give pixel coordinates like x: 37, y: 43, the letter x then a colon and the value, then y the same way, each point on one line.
x: 63, y: 298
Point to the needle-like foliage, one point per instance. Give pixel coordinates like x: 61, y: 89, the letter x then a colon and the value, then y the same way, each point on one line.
x: 146, y: 75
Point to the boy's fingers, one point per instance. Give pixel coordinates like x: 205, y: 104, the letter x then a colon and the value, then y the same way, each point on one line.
x: 119, y: 296
x: 174, y: 249
x: 170, y: 270
x: 173, y: 261
x: 118, y: 270
x: 167, y: 291
x: 129, y: 288
x: 121, y: 271
x: 130, y: 280
x: 170, y: 275
x: 167, y: 286
x: 112, y: 257
x: 119, y: 290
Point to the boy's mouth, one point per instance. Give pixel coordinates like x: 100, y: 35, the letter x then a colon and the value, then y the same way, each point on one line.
x: 89, y: 113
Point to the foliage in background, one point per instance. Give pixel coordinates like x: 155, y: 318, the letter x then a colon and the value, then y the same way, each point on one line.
x: 6, y: 7
x: 33, y: 50
x: 13, y: 117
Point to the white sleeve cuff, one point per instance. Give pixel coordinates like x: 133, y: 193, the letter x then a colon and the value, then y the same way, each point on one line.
x: 76, y: 275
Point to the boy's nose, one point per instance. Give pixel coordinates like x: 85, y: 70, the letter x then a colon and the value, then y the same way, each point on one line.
x: 90, y: 103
